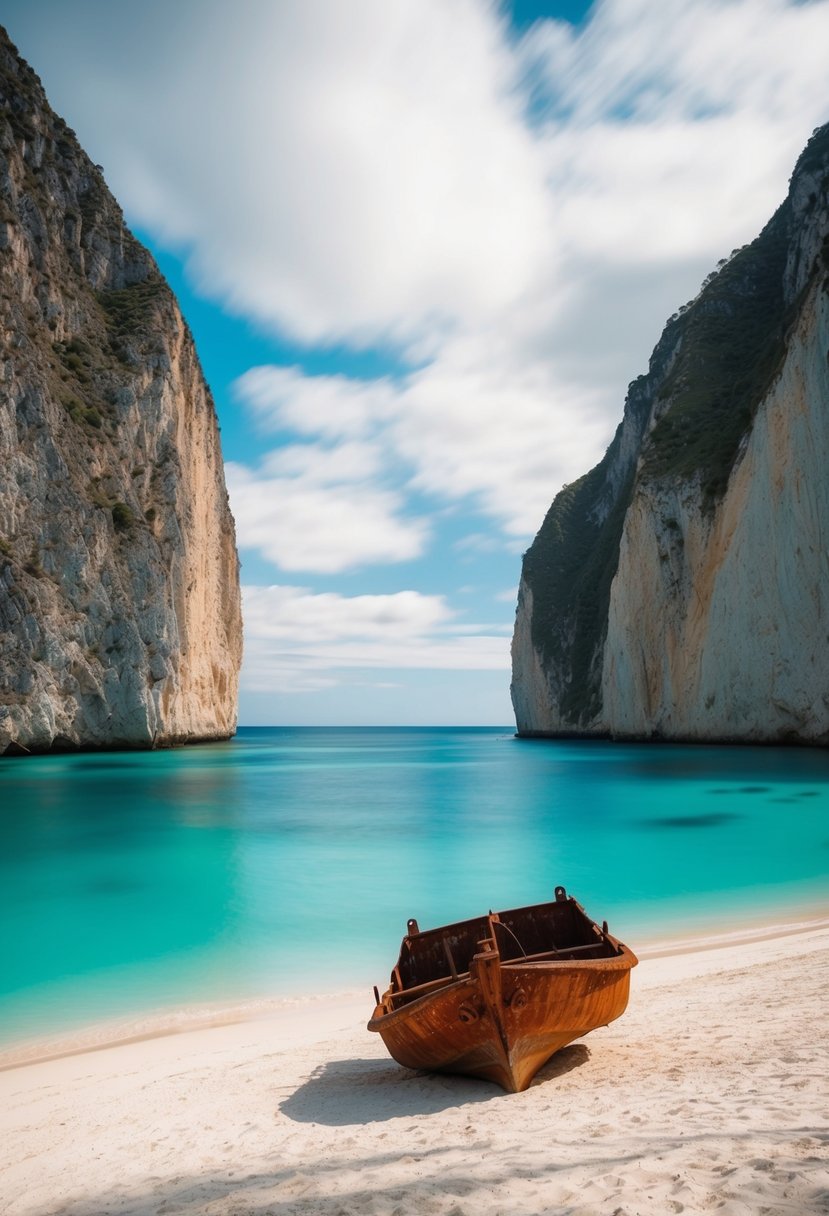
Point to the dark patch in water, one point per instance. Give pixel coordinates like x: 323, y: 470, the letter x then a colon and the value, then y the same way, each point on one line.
x: 754, y: 789
x: 112, y: 886
x: 714, y: 819
x: 808, y: 793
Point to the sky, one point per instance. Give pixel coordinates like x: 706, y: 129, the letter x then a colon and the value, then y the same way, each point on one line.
x: 423, y: 247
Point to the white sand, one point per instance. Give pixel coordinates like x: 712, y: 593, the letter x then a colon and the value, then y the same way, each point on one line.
x: 710, y: 1094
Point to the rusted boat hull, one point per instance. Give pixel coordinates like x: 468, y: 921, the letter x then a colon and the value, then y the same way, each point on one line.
x: 503, y: 1019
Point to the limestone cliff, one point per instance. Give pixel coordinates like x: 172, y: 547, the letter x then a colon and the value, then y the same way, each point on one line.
x: 681, y: 588
x: 119, y: 589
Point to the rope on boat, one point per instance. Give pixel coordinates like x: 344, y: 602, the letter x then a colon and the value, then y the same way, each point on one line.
x: 500, y: 924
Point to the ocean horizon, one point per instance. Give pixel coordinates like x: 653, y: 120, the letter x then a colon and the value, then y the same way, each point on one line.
x: 288, y: 859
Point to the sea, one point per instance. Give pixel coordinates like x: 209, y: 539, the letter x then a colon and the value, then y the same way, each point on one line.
x: 288, y: 860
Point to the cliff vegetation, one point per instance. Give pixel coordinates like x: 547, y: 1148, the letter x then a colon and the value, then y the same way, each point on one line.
x: 703, y: 525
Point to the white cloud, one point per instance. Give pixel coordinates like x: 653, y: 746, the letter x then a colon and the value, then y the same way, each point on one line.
x: 298, y: 640
x: 476, y: 543
x: 520, y: 216
x: 681, y: 59
x: 308, y: 510
x: 478, y: 424
x: 670, y: 129
x: 463, y: 428
x: 317, y: 465
x: 333, y: 407
x: 357, y: 171
x: 663, y: 136
x: 283, y: 612
x: 339, y: 170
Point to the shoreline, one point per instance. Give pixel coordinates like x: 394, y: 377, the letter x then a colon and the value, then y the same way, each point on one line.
x: 181, y: 1020
x: 707, y: 1094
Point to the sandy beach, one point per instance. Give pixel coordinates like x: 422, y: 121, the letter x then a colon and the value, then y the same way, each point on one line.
x: 710, y: 1094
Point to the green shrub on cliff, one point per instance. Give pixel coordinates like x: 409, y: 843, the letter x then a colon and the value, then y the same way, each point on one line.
x: 732, y: 347
x: 122, y: 517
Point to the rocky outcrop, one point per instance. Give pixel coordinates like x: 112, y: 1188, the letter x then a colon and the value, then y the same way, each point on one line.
x: 681, y: 589
x: 119, y: 589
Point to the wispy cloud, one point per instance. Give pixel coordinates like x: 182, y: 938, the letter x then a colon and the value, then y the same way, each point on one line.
x: 374, y: 161
x: 296, y: 613
x: 512, y: 220
x: 333, y: 407
x: 300, y: 640
x: 519, y: 216
x: 315, y: 508
x: 679, y: 61
x: 461, y: 429
x: 645, y: 145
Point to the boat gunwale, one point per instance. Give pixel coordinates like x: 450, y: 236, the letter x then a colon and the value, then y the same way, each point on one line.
x: 497, y: 915
x: 625, y: 960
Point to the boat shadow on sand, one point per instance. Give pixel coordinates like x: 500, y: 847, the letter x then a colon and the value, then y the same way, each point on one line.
x: 343, y: 1092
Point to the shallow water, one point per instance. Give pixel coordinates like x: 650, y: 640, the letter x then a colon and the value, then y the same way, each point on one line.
x: 289, y: 859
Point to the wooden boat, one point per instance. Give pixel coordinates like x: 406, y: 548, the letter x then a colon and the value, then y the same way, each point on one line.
x: 495, y: 997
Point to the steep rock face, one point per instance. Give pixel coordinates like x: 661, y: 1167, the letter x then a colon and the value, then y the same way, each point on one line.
x: 681, y: 589
x: 119, y: 590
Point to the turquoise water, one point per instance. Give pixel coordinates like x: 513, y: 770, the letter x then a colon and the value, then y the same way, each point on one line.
x: 289, y: 859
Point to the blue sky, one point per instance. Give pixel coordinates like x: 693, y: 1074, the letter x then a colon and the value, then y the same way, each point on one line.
x: 423, y: 247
